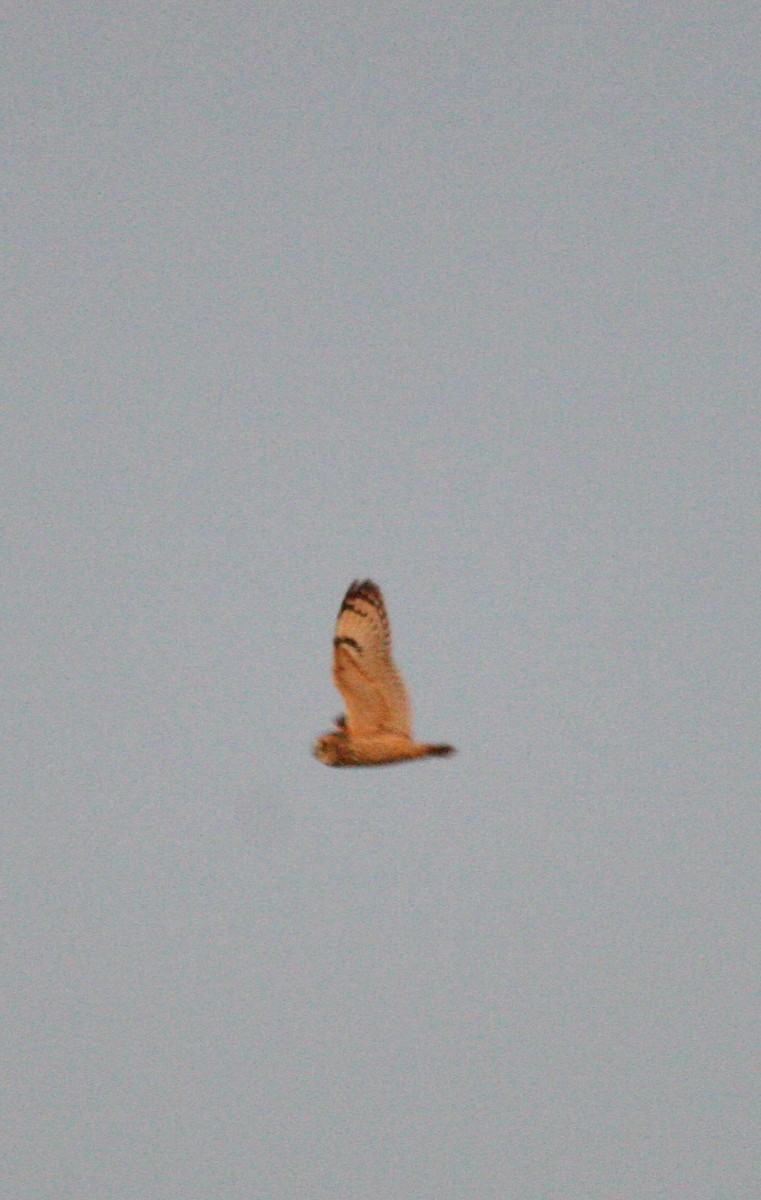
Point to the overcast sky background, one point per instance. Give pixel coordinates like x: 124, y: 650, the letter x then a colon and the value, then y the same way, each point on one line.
x: 463, y: 298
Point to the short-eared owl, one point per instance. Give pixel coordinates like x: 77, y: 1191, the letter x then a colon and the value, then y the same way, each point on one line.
x: 377, y: 727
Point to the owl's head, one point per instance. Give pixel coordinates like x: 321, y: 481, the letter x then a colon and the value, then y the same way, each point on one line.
x: 329, y: 749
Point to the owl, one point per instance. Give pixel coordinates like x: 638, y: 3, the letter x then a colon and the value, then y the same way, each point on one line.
x: 377, y: 727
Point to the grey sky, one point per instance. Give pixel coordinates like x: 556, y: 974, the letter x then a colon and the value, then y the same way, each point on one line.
x: 464, y: 298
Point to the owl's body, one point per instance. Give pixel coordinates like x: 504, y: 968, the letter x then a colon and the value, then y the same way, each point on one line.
x: 377, y: 727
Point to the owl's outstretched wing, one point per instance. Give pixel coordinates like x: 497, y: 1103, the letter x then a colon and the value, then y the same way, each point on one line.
x: 363, y: 669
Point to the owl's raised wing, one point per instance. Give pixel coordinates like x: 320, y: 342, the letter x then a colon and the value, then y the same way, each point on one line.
x: 363, y: 669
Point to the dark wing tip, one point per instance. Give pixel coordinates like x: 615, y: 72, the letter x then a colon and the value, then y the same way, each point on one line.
x: 361, y: 589
x: 358, y: 586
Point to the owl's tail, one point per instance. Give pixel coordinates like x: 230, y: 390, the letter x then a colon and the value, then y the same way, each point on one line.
x: 439, y: 751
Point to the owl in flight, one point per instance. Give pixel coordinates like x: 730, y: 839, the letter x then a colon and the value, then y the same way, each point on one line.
x: 377, y: 727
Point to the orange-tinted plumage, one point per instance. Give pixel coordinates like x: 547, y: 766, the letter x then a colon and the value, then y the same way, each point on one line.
x: 377, y: 727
